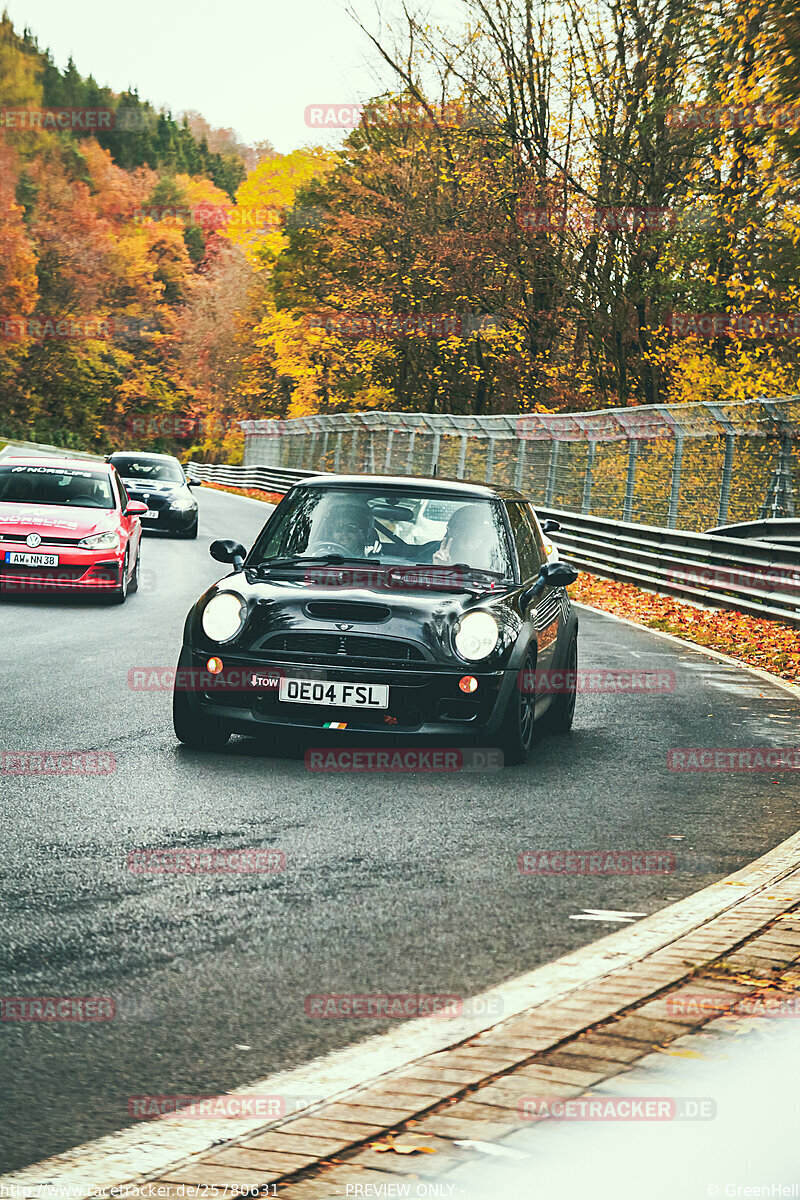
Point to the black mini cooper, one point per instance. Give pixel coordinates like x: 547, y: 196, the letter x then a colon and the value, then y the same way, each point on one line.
x: 384, y: 605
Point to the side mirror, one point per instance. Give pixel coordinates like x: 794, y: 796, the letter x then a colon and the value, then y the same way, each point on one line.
x: 560, y: 574
x: 550, y: 526
x: 557, y: 574
x: 226, y: 551
x: 191, y: 482
x: 135, y: 508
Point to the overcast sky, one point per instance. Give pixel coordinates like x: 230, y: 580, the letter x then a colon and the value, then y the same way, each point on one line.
x: 252, y: 65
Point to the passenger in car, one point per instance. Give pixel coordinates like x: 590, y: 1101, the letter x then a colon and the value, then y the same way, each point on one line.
x: 469, y: 539
x: 346, y: 528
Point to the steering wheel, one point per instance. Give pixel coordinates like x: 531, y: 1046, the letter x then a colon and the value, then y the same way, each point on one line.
x: 332, y: 548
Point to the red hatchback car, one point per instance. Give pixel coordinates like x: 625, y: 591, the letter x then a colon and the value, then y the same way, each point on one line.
x: 67, y: 524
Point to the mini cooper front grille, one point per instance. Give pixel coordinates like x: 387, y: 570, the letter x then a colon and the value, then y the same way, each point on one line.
x: 342, y: 647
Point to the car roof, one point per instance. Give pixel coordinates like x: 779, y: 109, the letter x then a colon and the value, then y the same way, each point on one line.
x: 144, y: 454
x: 83, y: 464
x: 434, y: 483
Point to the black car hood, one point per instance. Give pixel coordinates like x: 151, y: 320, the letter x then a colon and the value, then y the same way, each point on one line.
x: 293, y: 605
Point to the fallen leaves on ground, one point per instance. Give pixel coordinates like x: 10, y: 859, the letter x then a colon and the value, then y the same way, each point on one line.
x: 253, y: 493
x: 770, y: 645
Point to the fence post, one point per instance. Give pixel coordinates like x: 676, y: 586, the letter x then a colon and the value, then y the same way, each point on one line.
x: 462, y: 457
x: 727, y: 476
x: 337, y: 456
x: 551, y: 473
x: 586, y: 502
x: 437, y: 437
x: 387, y: 462
x: 675, y: 491
x: 523, y: 445
x: 410, y: 457
x: 325, y: 448
x: 631, y: 480
x: 490, y: 459
x: 371, y: 454
x: 354, y: 450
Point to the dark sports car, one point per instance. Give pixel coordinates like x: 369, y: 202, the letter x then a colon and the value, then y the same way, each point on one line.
x: 159, y: 482
x: 372, y: 604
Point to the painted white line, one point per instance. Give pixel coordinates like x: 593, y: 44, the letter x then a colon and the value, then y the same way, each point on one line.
x: 145, y: 1150
x: 685, y: 644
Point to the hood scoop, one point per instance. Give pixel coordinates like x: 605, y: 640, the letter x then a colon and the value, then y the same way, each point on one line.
x: 347, y: 610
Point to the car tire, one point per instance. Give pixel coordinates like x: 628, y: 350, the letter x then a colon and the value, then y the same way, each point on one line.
x: 193, y: 728
x: 119, y: 594
x: 516, y: 730
x: 559, y: 717
x: 192, y: 531
x: 133, y: 585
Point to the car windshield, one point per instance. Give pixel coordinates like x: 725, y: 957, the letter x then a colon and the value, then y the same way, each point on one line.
x: 390, y: 526
x: 148, y: 469
x: 55, y: 485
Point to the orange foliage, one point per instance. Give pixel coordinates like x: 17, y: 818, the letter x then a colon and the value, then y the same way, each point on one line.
x: 770, y: 645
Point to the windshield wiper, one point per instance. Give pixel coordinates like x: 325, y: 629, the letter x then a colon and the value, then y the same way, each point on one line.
x: 300, y: 560
x: 461, y: 569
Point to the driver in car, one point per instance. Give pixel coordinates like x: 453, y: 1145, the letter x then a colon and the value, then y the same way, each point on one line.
x: 347, y: 529
x: 468, y: 539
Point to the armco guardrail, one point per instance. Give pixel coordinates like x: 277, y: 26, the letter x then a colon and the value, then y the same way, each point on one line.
x: 271, y: 479
x: 759, y: 578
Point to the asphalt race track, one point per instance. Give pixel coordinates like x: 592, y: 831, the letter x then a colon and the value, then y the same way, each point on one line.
x: 393, y: 883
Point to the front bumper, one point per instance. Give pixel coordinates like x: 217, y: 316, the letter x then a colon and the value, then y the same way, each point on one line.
x: 421, y: 701
x: 170, y: 520
x: 78, y: 569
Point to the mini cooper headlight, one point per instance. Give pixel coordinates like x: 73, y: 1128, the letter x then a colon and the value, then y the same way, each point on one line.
x: 476, y: 635
x: 224, y: 616
x: 101, y: 541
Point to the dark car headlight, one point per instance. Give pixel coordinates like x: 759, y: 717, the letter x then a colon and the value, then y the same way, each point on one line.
x: 224, y: 616
x: 182, y: 502
x: 476, y: 636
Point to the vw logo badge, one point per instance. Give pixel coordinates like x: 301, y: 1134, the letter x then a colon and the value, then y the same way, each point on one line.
x: 33, y: 539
